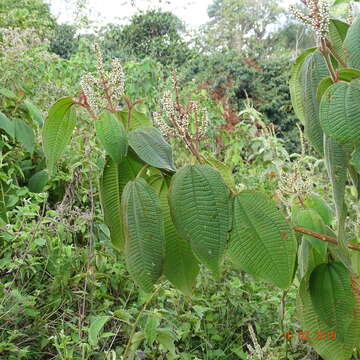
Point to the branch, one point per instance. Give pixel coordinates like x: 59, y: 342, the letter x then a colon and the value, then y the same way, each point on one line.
x: 325, y: 238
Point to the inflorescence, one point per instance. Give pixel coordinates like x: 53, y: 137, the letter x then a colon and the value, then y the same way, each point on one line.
x: 317, y: 17
x: 189, y: 122
x: 106, y: 90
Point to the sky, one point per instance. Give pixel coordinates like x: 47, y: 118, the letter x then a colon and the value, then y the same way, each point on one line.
x: 192, y: 12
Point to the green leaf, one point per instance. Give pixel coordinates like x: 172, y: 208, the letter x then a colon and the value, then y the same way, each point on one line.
x: 316, y: 202
x: 224, y: 170
x: 8, y: 93
x: 7, y: 125
x: 24, y: 134
x: 309, y: 258
x: 355, y: 159
x: 95, y: 328
x: 344, y: 74
x: 296, y: 86
x: 138, y: 119
x: 312, y: 71
x: 180, y: 266
x: 262, y: 242
x: 34, y: 112
x: 352, y: 44
x: 152, y: 148
x: 112, y: 136
x: 150, y: 330
x: 328, y: 349
x: 337, y: 34
x: 200, y: 209
x: 311, y: 220
x: 38, y: 181
x: 166, y: 339
x: 336, y: 161
x: 332, y: 297
x: 113, y: 180
x: 144, y: 233
x: 340, y: 111
x: 323, y: 86
x: 57, y: 130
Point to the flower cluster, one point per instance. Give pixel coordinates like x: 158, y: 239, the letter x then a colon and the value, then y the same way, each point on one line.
x: 189, y: 122
x: 298, y: 182
x: 317, y: 17
x: 105, y: 90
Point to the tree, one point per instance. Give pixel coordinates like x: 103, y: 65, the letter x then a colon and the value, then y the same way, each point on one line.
x: 154, y: 33
x: 26, y: 14
x: 64, y: 42
x: 235, y: 24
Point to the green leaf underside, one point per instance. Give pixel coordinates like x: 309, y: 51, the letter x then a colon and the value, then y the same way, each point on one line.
x: 113, y: 180
x: 336, y: 160
x: 313, y: 70
x: 311, y: 220
x: 57, y: 130
x: 144, y: 233
x: 112, y: 136
x: 180, y: 265
x: 332, y: 297
x: 352, y: 44
x: 296, y: 86
x: 308, y: 258
x: 317, y: 203
x: 151, y: 147
x: 262, y: 243
x: 340, y: 113
x: 337, y: 34
x: 328, y: 349
x: 200, y: 209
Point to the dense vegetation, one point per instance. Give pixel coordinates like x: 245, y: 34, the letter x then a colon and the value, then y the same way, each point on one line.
x: 84, y: 180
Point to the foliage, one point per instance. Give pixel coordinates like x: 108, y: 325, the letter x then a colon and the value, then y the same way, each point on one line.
x: 155, y: 33
x: 27, y: 14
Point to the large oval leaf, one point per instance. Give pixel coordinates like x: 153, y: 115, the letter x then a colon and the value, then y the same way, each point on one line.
x: 340, y: 112
x: 352, y: 44
x: 112, y: 136
x: 262, y: 242
x: 151, y: 147
x: 57, y: 130
x: 313, y: 70
x: 332, y: 297
x: 180, y: 265
x: 112, y: 183
x: 296, y: 86
x: 324, y: 339
x: 199, y: 203
x: 144, y: 233
x: 24, y: 134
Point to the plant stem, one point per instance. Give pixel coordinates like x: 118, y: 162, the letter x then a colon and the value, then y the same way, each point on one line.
x: 126, y: 352
x: 325, y: 238
x: 326, y: 53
